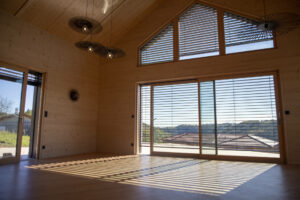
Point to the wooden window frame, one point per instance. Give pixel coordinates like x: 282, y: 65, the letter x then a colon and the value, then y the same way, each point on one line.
x: 221, y: 33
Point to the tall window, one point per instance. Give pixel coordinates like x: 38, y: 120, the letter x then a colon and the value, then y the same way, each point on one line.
x: 244, y: 120
x: 231, y: 117
x: 175, y: 118
x: 197, y: 33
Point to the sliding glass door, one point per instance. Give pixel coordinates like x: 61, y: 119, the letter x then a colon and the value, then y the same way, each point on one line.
x: 11, y: 112
x: 15, y: 123
x: 239, y: 117
x: 175, y: 118
x: 220, y: 117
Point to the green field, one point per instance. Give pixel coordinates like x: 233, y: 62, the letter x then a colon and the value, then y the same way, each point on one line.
x: 9, y: 139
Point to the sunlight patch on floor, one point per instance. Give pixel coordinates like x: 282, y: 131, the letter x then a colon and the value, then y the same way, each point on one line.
x: 178, y: 174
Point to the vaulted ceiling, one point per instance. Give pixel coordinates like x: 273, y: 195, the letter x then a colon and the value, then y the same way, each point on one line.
x: 115, y: 16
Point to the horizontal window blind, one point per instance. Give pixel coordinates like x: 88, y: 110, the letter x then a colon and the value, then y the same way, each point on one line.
x: 159, y: 48
x: 198, y: 32
x: 175, y: 118
x: 238, y: 117
x: 246, y: 116
x: 34, y: 78
x: 207, y: 112
x: 145, y: 92
x: 11, y: 75
x: 198, y: 36
x: 242, y: 34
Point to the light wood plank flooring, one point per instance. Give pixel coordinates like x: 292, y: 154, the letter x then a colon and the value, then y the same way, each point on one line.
x: 147, y: 178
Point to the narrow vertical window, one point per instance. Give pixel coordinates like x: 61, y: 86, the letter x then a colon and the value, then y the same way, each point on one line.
x: 144, y: 123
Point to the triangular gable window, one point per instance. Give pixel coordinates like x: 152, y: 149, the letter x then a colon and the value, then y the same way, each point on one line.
x: 159, y: 48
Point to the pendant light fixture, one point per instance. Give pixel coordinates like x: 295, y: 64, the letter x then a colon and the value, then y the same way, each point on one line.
x: 91, y: 47
x: 279, y: 22
x: 110, y: 52
x: 87, y: 26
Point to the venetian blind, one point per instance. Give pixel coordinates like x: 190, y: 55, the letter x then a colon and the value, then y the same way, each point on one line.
x: 198, y: 32
x: 242, y: 34
x: 159, y: 48
x: 11, y: 75
x: 246, y: 117
x: 34, y: 78
x: 145, y: 92
x: 238, y: 117
x: 175, y: 118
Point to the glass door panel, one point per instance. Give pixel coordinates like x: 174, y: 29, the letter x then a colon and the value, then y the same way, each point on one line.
x: 10, y: 106
x: 207, y: 113
x: 27, y: 122
x: 175, y: 118
x: 247, y: 117
x: 144, y: 140
x: 31, y: 115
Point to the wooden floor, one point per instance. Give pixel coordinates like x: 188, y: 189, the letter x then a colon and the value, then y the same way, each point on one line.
x: 147, y: 178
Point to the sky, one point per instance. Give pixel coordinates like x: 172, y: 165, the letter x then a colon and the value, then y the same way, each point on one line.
x: 12, y: 92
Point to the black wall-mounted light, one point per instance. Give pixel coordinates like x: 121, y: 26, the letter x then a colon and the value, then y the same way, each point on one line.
x: 74, y: 95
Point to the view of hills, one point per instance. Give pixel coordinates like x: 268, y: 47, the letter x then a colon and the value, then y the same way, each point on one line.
x: 265, y: 128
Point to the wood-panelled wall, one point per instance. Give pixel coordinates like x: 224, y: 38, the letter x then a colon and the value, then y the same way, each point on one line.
x: 119, y: 78
x: 108, y: 89
x: 70, y: 127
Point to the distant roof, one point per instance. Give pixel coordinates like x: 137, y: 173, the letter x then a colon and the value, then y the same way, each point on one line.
x: 224, y: 140
x: 4, y: 117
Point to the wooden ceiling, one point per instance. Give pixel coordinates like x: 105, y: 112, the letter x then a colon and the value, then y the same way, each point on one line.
x: 53, y: 15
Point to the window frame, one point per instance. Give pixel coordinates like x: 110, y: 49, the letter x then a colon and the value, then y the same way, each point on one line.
x: 221, y: 34
x: 279, y: 111
x: 152, y: 37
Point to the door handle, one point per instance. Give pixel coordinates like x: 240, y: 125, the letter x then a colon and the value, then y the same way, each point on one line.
x: 21, y: 119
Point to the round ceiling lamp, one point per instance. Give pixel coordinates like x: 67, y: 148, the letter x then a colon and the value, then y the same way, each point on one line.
x: 89, y: 46
x: 110, y: 53
x: 85, y: 25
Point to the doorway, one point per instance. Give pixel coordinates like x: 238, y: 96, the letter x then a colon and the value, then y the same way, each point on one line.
x: 20, y: 102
